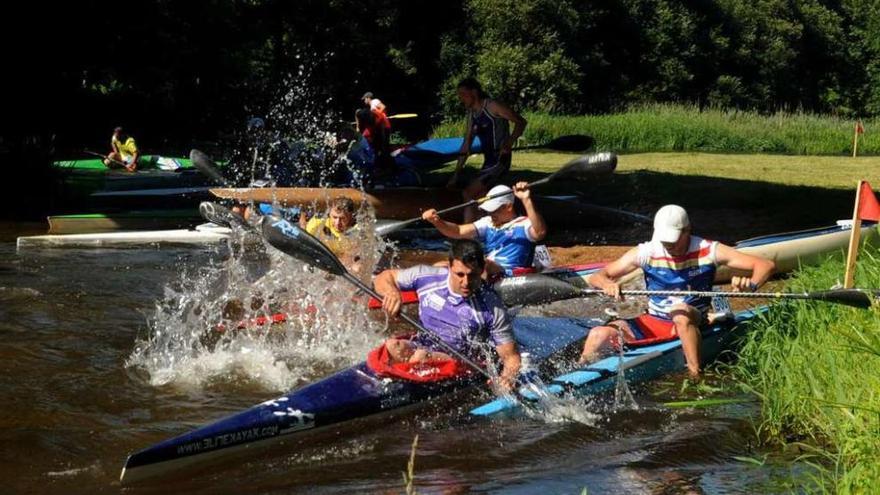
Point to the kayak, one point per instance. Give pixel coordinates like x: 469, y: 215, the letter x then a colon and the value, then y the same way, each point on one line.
x: 80, y: 178
x: 201, y: 234
x: 403, y: 203
x: 433, y: 153
x: 123, y: 220
x: 788, y: 250
x: 330, y: 404
x: 393, y: 203
x: 640, y: 363
x: 575, y: 275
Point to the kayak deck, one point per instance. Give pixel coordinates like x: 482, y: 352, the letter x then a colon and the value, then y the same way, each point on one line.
x: 350, y: 394
x: 639, y: 364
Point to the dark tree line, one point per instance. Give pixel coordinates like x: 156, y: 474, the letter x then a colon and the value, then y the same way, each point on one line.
x: 190, y: 71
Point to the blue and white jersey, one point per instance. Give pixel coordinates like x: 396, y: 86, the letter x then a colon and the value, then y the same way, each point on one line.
x: 510, y: 245
x: 693, y: 270
x: 461, y: 322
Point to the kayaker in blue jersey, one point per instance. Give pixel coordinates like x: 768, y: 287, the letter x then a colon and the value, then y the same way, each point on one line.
x: 673, y: 259
x: 509, y: 239
x: 489, y: 120
x: 457, y: 306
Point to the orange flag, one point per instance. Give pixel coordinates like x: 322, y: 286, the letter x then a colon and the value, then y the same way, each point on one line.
x: 860, y: 129
x: 869, y: 207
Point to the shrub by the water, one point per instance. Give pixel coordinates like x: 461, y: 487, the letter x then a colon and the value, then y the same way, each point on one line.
x: 816, y: 368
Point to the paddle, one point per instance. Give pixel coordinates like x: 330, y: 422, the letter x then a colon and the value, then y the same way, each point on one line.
x: 579, y: 168
x: 570, y: 143
x: 403, y: 116
x: 207, y: 166
x: 553, y: 289
x: 573, y: 142
x: 95, y: 153
x: 223, y: 216
x: 297, y: 243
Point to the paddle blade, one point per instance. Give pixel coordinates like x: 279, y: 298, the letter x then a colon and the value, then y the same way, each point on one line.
x: 575, y: 142
x: 221, y: 215
x: 207, y: 166
x: 534, y: 289
x: 858, y: 298
x: 296, y: 242
x: 587, y: 166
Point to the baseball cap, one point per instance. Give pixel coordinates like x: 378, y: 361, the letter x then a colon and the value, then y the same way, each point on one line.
x: 495, y: 203
x: 368, y: 94
x: 669, y: 222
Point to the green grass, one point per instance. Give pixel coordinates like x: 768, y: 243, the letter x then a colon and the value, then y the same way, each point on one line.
x: 816, y: 368
x: 666, y: 127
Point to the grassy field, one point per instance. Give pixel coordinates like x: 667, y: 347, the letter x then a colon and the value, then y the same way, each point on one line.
x: 730, y: 197
x: 666, y: 127
x: 814, y: 367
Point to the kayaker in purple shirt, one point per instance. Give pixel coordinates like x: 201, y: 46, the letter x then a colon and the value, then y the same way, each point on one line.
x: 455, y: 305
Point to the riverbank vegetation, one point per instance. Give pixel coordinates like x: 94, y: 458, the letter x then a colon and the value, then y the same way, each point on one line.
x: 676, y: 127
x: 815, y: 368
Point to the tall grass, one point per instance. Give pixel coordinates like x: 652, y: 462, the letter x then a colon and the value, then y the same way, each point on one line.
x: 667, y: 127
x: 816, y: 368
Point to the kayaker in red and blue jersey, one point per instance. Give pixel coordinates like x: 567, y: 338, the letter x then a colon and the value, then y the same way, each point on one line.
x: 673, y: 259
x: 457, y: 306
x: 489, y: 120
x: 509, y: 239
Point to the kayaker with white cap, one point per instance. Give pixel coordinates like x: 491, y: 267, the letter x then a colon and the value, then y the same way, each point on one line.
x: 509, y: 239
x: 673, y: 259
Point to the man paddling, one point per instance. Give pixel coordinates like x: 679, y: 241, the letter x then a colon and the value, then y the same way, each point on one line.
x: 123, y: 149
x: 673, y: 259
x: 456, y: 305
x: 508, y: 238
x: 489, y: 120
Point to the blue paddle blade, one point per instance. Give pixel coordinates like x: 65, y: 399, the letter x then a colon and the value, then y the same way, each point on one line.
x: 296, y: 242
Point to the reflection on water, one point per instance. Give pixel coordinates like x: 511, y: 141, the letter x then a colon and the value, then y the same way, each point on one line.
x: 105, y: 352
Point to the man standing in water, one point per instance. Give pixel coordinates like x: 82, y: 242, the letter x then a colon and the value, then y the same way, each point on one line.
x: 672, y: 260
x: 509, y: 239
x: 489, y: 120
x: 123, y: 150
x: 456, y: 306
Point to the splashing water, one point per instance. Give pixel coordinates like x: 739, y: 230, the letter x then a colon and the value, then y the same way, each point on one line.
x: 623, y: 398
x: 194, y: 342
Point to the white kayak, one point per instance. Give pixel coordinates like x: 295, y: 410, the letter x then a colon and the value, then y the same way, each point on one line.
x: 203, y: 234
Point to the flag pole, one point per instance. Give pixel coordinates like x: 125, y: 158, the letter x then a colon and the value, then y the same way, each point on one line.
x: 855, y: 139
x: 853, y: 251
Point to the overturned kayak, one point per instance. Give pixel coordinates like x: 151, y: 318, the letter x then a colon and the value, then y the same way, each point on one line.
x: 329, y: 404
x: 640, y: 363
x: 433, y: 153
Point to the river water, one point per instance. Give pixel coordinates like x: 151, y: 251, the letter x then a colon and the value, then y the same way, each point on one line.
x: 103, y: 353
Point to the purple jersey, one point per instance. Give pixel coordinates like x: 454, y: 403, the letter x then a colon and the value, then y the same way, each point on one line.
x: 460, y: 322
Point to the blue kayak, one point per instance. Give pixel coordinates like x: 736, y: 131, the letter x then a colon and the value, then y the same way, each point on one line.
x: 639, y: 364
x: 329, y: 403
x: 433, y: 153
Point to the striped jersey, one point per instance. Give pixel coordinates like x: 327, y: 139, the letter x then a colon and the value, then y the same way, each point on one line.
x: 510, y: 245
x: 694, y: 270
x: 461, y: 322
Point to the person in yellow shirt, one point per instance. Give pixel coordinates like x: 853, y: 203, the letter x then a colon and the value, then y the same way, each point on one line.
x: 335, y: 229
x: 123, y: 150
